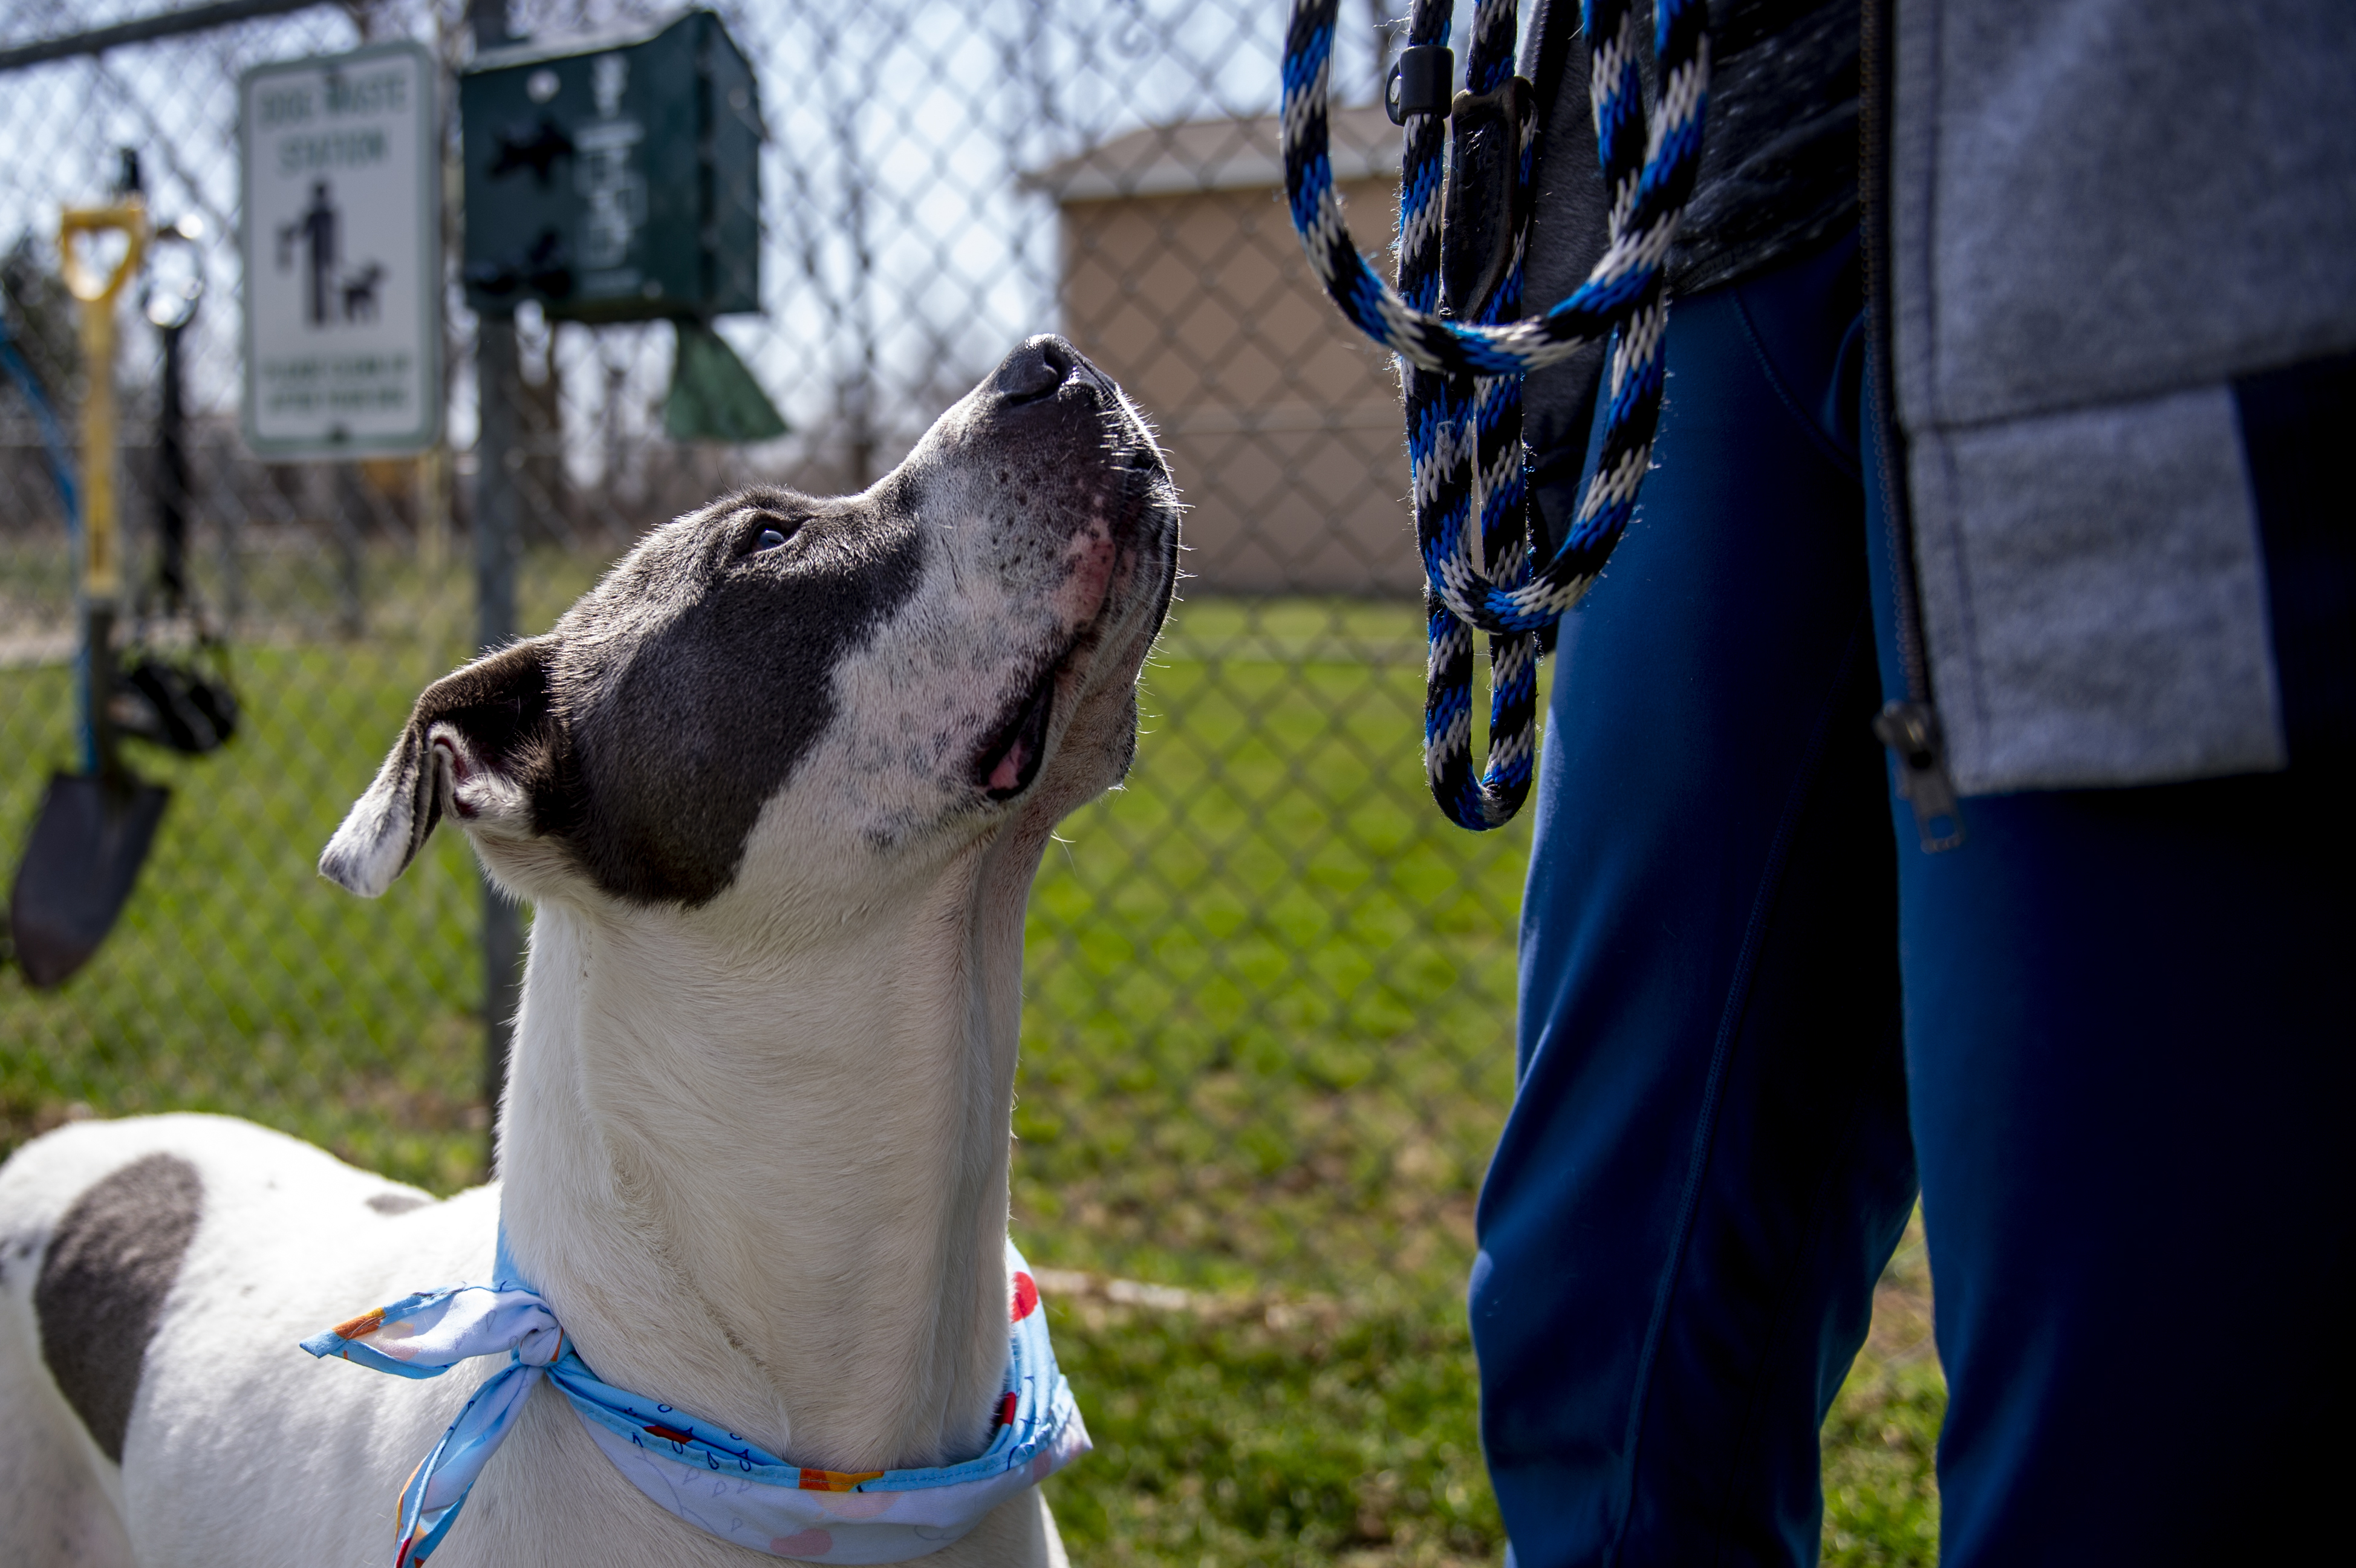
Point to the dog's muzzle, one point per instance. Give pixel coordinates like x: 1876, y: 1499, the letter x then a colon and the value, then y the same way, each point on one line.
x: 1048, y: 393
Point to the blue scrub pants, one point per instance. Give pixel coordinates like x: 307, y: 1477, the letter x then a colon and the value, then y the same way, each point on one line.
x: 2108, y: 1037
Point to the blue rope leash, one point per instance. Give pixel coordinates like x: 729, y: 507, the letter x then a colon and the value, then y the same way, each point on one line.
x: 53, y: 436
x: 62, y: 470
x: 1461, y: 378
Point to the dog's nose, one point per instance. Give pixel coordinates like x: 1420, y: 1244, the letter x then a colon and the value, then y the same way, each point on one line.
x: 1035, y: 370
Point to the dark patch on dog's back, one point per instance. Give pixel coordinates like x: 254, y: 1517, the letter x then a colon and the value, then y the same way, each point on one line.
x: 681, y: 746
x: 396, y: 1202
x: 110, y: 1265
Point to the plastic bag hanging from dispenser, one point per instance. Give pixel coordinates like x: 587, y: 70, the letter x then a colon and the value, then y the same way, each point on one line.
x: 713, y: 397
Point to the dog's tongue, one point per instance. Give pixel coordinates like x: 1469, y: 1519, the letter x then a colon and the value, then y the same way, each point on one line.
x: 1007, y: 766
x: 1008, y: 774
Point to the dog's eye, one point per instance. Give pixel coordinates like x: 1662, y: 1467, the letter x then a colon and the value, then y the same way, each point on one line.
x: 774, y: 532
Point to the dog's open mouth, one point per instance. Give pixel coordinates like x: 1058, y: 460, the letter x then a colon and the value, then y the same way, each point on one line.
x: 1006, y: 766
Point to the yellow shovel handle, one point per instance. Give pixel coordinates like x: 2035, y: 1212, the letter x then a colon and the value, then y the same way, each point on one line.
x: 101, y: 565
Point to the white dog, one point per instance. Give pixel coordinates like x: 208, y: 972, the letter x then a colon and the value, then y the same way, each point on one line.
x: 776, y: 787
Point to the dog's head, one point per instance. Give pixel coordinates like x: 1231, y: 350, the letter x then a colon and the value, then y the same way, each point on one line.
x: 780, y: 691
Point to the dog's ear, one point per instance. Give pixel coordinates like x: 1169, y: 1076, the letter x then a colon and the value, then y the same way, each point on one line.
x: 471, y: 746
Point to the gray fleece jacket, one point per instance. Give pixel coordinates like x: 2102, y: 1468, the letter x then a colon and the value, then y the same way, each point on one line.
x: 2101, y: 218
x: 2103, y: 214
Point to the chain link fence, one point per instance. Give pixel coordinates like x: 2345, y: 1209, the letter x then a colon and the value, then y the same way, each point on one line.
x: 1268, y: 1040
x: 1270, y: 992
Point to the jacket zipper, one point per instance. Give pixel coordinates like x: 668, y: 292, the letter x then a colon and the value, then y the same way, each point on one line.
x: 1909, y: 727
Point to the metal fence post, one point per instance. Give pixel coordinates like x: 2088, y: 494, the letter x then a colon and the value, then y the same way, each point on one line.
x: 351, y: 517
x: 498, y: 453
x: 496, y: 375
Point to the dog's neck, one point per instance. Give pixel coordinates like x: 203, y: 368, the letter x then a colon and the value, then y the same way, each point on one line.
x: 772, y: 1191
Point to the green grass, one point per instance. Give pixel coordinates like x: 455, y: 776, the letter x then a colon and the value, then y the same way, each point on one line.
x: 1271, y: 991
x: 1268, y: 1047
x: 1881, y: 1496
x: 1248, y: 1432
x: 237, y: 980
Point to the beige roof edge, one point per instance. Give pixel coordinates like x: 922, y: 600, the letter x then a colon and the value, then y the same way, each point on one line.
x: 1198, y: 156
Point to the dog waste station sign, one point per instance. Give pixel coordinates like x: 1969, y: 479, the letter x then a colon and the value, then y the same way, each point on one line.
x: 342, y: 254
x: 618, y: 178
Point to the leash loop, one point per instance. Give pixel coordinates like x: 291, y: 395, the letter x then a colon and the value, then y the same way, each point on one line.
x: 1462, y: 359
x: 1482, y: 215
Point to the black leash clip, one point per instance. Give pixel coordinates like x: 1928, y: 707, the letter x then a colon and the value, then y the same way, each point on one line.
x: 1486, y: 205
x: 1419, y: 82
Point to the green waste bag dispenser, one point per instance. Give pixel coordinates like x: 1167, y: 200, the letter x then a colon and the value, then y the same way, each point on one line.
x: 618, y: 178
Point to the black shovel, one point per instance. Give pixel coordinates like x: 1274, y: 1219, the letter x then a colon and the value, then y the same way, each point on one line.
x: 94, y: 827
x: 87, y: 846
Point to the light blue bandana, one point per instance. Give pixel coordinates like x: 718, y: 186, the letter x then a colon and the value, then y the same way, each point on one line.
x: 706, y: 1474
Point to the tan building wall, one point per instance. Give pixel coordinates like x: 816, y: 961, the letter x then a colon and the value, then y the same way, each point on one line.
x: 1183, y: 277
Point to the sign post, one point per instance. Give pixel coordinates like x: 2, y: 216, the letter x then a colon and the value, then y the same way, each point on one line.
x: 342, y: 172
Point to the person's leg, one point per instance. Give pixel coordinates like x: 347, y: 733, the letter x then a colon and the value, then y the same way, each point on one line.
x: 2128, y: 1047
x: 1707, y: 1162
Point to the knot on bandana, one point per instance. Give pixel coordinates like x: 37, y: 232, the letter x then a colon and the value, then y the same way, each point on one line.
x: 698, y: 1470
